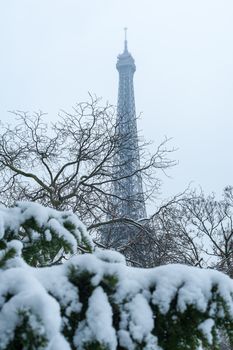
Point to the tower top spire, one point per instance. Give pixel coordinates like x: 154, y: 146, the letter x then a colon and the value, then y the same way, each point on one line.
x: 125, y: 59
x: 125, y: 42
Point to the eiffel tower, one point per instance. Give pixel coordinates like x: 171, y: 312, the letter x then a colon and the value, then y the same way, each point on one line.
x: 128, y: 191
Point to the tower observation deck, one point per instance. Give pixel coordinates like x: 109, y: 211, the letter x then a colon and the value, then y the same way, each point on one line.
x: 128, y: 190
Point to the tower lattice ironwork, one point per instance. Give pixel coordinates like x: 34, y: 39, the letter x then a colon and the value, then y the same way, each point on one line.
x: 128, y: 190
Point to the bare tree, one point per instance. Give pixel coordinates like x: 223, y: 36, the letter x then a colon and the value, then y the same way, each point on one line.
x: 160, y: 239
x: 70, y: 164
x: 193, y: 229
x: 212, y: 220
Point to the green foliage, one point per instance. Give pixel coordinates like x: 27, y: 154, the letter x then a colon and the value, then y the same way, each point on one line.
x: 95, y: 346
x: 39, y: 251
x: 175, y: 329
x: 122, y: 289
x: 179, y: 330
x: 26, y: 337
x: 82, y: 280
x: 6, y: 254
x: 175, y: 323
x: 47, y: 235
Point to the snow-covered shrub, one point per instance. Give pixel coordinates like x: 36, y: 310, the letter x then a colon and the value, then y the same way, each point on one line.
x: 46, y: 234
x: 95, y: 302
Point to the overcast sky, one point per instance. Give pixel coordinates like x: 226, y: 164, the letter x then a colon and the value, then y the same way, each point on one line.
x: 54, y: 51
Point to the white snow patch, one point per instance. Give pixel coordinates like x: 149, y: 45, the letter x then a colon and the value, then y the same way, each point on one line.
x: 98, y: 324
x: 141, y: 317
x: 110, y: 256
x: 26, y: 294
x: 46, y: 218
x: 206, y: 328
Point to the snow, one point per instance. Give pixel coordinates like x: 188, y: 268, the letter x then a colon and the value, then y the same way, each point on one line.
x: 55, y: 226
x: 14, y: 244
x: 26, y: 294
x: 58, y: 343
x: 49, y: 220
x: 206, y: 328
x: 49, y: 297
x: 42, y: 290
x: 141, y: 323
x: 110, y: 256
x: 137, y: 317
x: 125, y: 340
x: 57, y: 283
x: 98, y: 324
x: 9, y: 220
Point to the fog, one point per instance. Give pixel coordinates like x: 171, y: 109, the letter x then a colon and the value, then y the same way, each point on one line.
x: 54, y: 51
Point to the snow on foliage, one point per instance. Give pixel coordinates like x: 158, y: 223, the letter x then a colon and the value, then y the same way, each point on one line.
x: 46, y: 234
x: 24, y: 300
x: 95, y: 301
x: 97, y: 328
